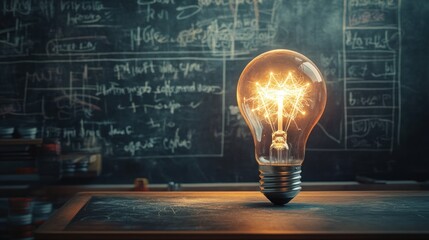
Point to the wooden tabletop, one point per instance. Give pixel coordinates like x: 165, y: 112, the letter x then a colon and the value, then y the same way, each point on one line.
x: 240, y: 215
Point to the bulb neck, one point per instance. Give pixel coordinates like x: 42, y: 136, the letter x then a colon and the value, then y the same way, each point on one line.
x: 280, y: 184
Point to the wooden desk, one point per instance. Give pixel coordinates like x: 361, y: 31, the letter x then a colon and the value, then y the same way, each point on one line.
x: 240, y: 215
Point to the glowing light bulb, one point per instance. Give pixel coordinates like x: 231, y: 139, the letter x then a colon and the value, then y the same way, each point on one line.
x: 281, y: 95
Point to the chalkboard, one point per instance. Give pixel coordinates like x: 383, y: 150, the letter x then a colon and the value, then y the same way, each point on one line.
x: 151, y: 84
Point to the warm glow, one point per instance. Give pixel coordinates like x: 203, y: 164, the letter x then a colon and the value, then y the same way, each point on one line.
x: 281, y: 95
x: 280, y: 98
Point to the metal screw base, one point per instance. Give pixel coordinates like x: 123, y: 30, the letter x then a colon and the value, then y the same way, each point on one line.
x: 280, y: 184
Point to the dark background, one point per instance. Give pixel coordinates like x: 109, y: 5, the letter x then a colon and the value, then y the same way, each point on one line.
x: 85, y: 72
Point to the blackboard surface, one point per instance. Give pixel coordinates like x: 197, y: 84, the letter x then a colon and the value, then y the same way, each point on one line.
x: 151, y: 84
x: 239, y: 215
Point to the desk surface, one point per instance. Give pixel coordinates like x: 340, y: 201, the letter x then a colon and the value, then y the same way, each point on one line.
x: 240, y: 215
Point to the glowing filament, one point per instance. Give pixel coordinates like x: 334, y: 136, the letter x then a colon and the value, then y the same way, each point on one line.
x: 278, y: 99
x: 280, y: 113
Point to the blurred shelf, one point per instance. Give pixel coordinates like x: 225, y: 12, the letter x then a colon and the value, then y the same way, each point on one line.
x: 88, y: 174
x: 18, y: 163
x: 21, y: 141
x: 19, y: 178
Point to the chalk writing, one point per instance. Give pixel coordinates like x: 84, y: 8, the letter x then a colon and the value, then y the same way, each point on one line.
x: 148, y: 98
x: 22, y: 7
x: 155, y: 79
x: 71, y: 5
x: 128, y: 130
x: 14, y: 39
x: 371, y: 73
x: 70, y: 45
x: 133, y: 147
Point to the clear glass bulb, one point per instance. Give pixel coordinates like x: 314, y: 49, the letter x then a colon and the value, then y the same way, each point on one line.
x: 281, y: 95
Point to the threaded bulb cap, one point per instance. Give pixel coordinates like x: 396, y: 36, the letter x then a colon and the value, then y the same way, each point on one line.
x: 280, y: 184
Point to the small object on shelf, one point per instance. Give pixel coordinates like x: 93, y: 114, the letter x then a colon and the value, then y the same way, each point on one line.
x: 6, y: 132
x: 27, y: 132
x: 49, y: 161
x: 20, y: 205
x: 141, y: 184
x: 95, y: 164
x: 81, y: 165
x: 19, y: 160
x: 41, y: 212
x: 51, y: 147
x: 69, y: 167
x: 172, y: 186
x: 20, y: 218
